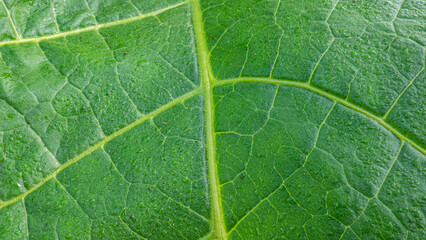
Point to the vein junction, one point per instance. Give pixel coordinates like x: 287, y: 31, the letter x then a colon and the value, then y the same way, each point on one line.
x: 206, y: 88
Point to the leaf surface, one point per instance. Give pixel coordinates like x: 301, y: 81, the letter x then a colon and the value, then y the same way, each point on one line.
x: 212, y: 119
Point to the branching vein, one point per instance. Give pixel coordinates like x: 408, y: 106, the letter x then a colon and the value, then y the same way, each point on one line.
x: 328, y: 95
x: 101, y: 143
x: 62, y: 34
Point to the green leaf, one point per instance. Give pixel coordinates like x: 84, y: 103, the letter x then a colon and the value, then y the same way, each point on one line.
x: 244, y: 119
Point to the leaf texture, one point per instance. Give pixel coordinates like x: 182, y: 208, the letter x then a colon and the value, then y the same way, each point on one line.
x: 212, y: 119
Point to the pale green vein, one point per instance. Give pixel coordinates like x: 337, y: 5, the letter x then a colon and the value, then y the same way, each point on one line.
x: 316, y: 139
x: 34, y: 133
x: 402, y: 93
x: 355, y: 234
x: 101, y: 143
x: 380, y: 187
x: 254, y: 208
x: 279, y: 40
x: 282, y: 185
x: 90, y: 228
x: 346, y: 228
x: 390, y: 168
x: 332, y: 10
x: 43, y: 144
x: 72, y: 197
x: 276, y: 11
x: 54, y: 16
x: 116, y: 72
x: 247, y: 55
x: 399, y: 10
x: 268, y: 116
x: 114, y: 166
x: 130, y: 228
x: 223, y: 34
x: 26, y: 218
x: 90, y: 10
x: 11, y: 20
x: 375, y: 195
x: 393, y: 213
x: 278, y: 52
x: 319, y: 60
x: 235, y: 178
x: 83, y: 94
x: 177, y: 70
x: 325, y: 94
x: 350, y: 85
x: 183, y: 205
x: 218, y: 226
x: 137, y: 9
x: 62, y: 34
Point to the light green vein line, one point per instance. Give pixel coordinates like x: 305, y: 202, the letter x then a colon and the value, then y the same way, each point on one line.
x: 268, y: 116
x: 332, y: 10
x: 176, y: 70
x: 355, y: 234
x: 319, y: 60
x: 71, y: 197
x: 325, y: 94
x: 67, y: 80
x: 30, y: 128
x: 318, y: 134
x: 91, y: 12
x: 279, y: 40
x: 278, y: 52
x: 222, y: 35
x: 182, y: 205
x: 137, y: 9
x: 54, y: 16
x: 114, y: 166
x: 94, y: 27
x: 117, y: 76
x: 380, y: 187
x: 135, y: 233
x: 103, y: 142
x: 402, y: 93
x: 11, y: 21
x: 247, y: 55
x: 399, y: 10
x: 390, y: 168
x: 218, y: 226
x: 346, y: 228
x: 26, y: 219
x: 254, y: 208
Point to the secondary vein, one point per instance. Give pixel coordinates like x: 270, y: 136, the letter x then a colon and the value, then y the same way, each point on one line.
x: 11, y: 21
x: 95, y: 27
x: 101, y: 143
x: 325, y: 94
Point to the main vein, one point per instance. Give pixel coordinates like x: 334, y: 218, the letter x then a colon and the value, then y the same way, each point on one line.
x: 103, y: 142
x: 218, y: 229
x: 208, y: 83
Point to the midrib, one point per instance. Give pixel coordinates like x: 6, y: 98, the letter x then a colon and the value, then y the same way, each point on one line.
x: 217, y: 223
x: 208, y: 83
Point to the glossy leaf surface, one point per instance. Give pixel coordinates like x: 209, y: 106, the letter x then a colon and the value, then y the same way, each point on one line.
x: 210, y: 119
